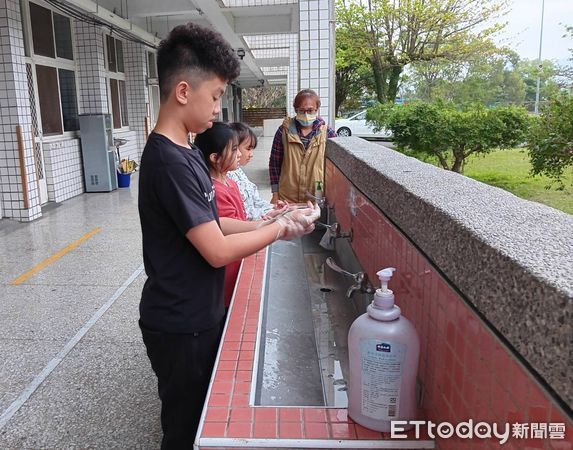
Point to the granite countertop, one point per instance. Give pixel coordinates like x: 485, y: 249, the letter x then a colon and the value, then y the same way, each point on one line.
x: 510, y: 258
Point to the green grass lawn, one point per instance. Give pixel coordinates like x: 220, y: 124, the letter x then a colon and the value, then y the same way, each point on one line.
x: 509, y: 170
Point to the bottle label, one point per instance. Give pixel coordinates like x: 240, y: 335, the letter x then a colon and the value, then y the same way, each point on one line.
x: 382, y: 363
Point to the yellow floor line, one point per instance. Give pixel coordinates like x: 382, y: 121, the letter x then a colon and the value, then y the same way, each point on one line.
x: 53, y: 258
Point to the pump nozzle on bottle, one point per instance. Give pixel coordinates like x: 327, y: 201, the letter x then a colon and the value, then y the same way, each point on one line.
x: 385, y: 275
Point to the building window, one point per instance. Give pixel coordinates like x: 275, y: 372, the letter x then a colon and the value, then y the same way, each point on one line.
x: 49, y: 102
x: 69, y: 100
x: 114, y: 54
x: 116, y: 76
x: 151, y: 65
x: 53, y: 55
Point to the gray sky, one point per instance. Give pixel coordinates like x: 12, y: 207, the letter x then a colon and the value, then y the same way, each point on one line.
x: 524, y: 24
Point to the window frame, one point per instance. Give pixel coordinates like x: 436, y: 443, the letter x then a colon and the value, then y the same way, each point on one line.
x: 117, y: 76
x: 56, y: 63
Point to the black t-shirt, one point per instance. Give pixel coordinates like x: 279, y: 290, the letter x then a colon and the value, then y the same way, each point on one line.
x: 183, y: 292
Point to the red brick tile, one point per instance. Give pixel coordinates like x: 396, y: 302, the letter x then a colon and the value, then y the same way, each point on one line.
x: 243, y: 375
x: 239, y: 430
x: 539, y: 405
x: 242, y: 387
x: 500, y: 401
x: 338, y: 415
x: 214, y: 429
x: 219, y: 400
x: 229, y: 355
x: 231, y: 345
x: 246, y: 355
x: 225, y: 375
x: 227, y: 365
x: 343, y: 431
x: 314, y: 415
x: 519, y: 388
x: 316, y: 430
x: 240, y: 400
x: 248, y: 346
x: 249, y: 337
x: 245, y: 365
x: 241, y: 415
x: 265, y: 414
x: 290, y: 415
x: 366, y: 433
x: 217, y: 414
x: 458, y: 375
x: 221, y: 387
x: 561, y: 445
x: 265, y: 430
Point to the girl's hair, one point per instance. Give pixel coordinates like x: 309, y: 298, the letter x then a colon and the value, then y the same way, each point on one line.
x: 245, y: 132
x: 219, y: 139
x: 302, y: 95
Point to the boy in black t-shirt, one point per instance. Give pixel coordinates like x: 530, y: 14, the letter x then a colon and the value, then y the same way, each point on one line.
x: 185, y: 244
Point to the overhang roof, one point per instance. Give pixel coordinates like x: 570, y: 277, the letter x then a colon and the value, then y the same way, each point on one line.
x: 265, y: 29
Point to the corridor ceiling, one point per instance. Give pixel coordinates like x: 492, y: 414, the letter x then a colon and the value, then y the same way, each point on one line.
x: 264, y: 29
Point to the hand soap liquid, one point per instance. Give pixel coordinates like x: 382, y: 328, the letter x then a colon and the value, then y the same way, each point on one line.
x: 383, y: 348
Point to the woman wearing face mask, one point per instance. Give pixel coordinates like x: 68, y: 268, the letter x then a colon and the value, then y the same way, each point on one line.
x: 296, y: 163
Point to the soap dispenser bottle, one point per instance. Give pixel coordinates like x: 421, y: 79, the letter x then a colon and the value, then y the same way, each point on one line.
x: 383, y: 349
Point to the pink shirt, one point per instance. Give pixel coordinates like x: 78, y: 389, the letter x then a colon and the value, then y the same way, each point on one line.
x: 229, y: 204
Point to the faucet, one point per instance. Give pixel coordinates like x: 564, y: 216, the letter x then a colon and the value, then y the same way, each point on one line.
x: 332, y: 232
x: 320, y: 201
x: 361, y: 281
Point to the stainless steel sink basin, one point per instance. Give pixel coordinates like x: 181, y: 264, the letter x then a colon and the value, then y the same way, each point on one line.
x: 302, y: 357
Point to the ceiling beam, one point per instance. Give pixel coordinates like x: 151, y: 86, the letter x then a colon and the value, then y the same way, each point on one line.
x: 263, y: 24
x: 213, y: 13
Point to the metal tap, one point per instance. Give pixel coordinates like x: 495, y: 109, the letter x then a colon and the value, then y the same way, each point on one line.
x: 319, y: 201
x: 361, y: 281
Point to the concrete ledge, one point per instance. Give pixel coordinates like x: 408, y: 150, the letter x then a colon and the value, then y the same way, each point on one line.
x: 511, y: 258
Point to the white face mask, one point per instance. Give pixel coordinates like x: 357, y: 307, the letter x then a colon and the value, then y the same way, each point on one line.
x: 306, y: 120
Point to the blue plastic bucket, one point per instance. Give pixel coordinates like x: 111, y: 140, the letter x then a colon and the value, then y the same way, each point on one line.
x: 123, y: 180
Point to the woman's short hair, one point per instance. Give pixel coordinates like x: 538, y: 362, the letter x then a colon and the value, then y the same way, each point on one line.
x: 304, y: 94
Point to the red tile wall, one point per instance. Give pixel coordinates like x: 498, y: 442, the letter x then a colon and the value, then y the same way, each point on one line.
x: 465, y: 370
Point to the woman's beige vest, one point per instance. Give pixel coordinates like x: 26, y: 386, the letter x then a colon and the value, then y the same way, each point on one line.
x: 301, y: 168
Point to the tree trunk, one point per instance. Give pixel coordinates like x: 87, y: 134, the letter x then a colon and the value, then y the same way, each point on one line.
x: 380, y: 76
x: 459, y: 158
x: 393, y: 83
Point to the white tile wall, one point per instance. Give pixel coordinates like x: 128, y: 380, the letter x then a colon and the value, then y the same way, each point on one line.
x: 135, y: 61
x: 64, y: 173
x: 15, y: 110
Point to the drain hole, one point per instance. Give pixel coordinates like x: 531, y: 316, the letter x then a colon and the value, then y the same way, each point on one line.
x: 325, y: 290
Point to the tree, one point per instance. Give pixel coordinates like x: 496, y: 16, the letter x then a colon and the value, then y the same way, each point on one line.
x: 264, y: 97
x: 529, y: 70
x: 489, y: 78
x: 396, y: 33
x: 351, y: 71
x: 551, y: 139
x: 451, y: 134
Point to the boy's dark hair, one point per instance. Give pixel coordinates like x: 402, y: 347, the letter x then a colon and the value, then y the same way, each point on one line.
x: 194, y: 53
x: 215, y: 140
x: 245, y: 132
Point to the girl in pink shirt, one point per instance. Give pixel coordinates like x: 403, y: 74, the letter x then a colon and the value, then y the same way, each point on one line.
x: 220, y: 147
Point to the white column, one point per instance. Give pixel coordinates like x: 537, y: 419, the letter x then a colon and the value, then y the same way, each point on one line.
x: 316, y: 39
x: 19, y: 190
x: 90, y: 68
